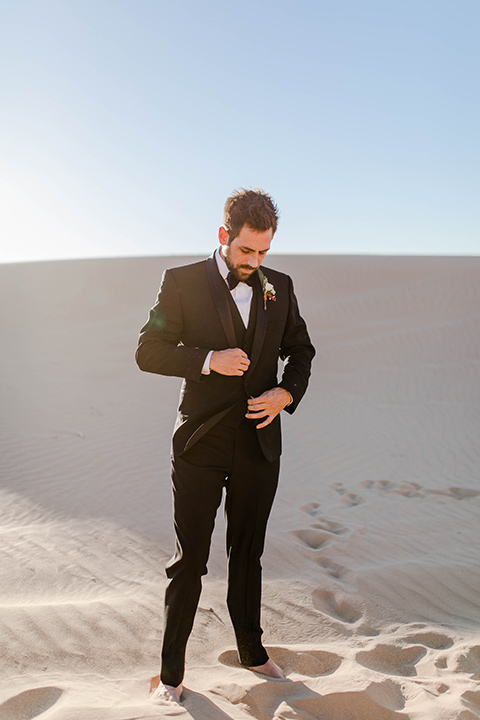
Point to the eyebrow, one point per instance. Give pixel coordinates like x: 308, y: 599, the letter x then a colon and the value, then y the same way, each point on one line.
x: 244, y: 247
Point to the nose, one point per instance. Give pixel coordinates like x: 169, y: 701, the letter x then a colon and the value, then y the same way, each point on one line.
x: 254, y: 261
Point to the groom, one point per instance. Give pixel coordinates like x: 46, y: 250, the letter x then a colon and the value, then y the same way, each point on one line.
x: 222, y: 324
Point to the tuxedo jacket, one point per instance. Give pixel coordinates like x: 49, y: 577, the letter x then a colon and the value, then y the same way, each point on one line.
x: 194, y: 314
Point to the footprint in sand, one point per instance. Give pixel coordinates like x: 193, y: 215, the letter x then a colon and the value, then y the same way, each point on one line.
x: 412, y: 489
x: 334, y: 605
x: 387, y: 694
x: 320, y: 533
x: 352, y: 499
x: 408, y: 489
x: 313, y: 539
x: 378, y: 484
x: 392, y: 660
x: 367, y: 631
x: 333, y: 569
x: 312, y: 663
x: 330, y: 526
x: 472, y: 699
x: 434, y: 640
x: 456, y: 493
x: 469, y: 662
x: 30, y: 703
x: 467, y: 715
x: 311, y: 508
x: 349, y: 499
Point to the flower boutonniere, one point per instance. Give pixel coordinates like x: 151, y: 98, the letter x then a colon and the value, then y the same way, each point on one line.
x: 267, y: 289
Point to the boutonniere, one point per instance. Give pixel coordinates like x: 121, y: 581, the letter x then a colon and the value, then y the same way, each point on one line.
x: 267, y: 289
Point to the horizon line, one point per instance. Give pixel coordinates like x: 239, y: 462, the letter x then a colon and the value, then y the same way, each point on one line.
x: 91, y: 258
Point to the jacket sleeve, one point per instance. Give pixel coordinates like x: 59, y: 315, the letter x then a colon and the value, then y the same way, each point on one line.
x: 297, y: 352
x: 160, y: 349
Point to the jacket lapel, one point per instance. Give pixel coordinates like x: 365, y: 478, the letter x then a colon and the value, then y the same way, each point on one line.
x: 218, y: 287
x: 261, y: 323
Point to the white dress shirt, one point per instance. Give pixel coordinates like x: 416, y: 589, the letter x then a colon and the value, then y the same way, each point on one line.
x: 242, y: 295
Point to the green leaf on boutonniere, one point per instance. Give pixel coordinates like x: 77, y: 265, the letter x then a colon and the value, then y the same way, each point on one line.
x: 268, y: 290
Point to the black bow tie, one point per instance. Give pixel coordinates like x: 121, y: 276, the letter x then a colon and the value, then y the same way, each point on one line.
x: 232, y: 281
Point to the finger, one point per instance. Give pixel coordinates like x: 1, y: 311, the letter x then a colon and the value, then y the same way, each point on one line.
x: 255, y: 416
x: 266, y: 422
x: 253, y: 402
x: 260, y: 407
x: 257, y: 410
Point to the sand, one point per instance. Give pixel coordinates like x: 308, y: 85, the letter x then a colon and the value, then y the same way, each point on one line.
x: 371, y: 573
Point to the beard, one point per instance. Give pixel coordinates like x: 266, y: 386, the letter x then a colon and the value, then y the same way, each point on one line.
x: 240, y: 272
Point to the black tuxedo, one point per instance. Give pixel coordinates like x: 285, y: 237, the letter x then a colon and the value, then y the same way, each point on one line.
x: 192, y: 316
x: 214, y: 445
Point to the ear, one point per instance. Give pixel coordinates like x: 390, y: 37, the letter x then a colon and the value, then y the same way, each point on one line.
x: 222, y: 236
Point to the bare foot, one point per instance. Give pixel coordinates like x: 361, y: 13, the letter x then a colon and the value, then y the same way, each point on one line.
x: 167, y: 694
x: 269, y: 669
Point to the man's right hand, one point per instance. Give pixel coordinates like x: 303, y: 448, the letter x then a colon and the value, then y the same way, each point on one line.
x: 233, y: 361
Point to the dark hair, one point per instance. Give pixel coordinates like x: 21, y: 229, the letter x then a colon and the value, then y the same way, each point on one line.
x: 253, y: 208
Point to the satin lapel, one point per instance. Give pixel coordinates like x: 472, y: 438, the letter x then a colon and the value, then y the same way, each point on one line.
x: 261, y: 324
x: 217, y: 286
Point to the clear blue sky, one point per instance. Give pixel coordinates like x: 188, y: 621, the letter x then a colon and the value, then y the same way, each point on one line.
x: 126, y: 123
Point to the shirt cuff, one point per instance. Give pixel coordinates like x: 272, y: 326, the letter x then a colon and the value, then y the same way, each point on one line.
x: 206, y: 364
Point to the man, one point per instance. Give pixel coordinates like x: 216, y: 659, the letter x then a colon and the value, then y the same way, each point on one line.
x: 222, y: 324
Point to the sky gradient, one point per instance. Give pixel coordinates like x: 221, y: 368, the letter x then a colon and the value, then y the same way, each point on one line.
x: 124, y: 125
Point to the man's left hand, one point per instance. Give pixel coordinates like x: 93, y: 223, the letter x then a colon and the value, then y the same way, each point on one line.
x: 269, y: 404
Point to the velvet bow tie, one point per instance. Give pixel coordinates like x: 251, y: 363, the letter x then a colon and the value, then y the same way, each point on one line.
x: 232, y: 281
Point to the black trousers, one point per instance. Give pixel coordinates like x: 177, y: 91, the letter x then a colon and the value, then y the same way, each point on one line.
x: 225, y: 457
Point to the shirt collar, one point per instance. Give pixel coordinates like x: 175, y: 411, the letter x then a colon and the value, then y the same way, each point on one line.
x: 221, y: 264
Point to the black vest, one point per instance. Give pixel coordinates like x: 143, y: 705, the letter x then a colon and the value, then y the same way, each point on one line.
x: 244, y: 337
x: 243, y: 334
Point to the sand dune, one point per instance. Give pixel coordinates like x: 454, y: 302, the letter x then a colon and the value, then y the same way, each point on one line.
x: 371, y: 573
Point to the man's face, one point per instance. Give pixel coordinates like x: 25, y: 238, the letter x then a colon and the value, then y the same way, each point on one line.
x: 245, y: 253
